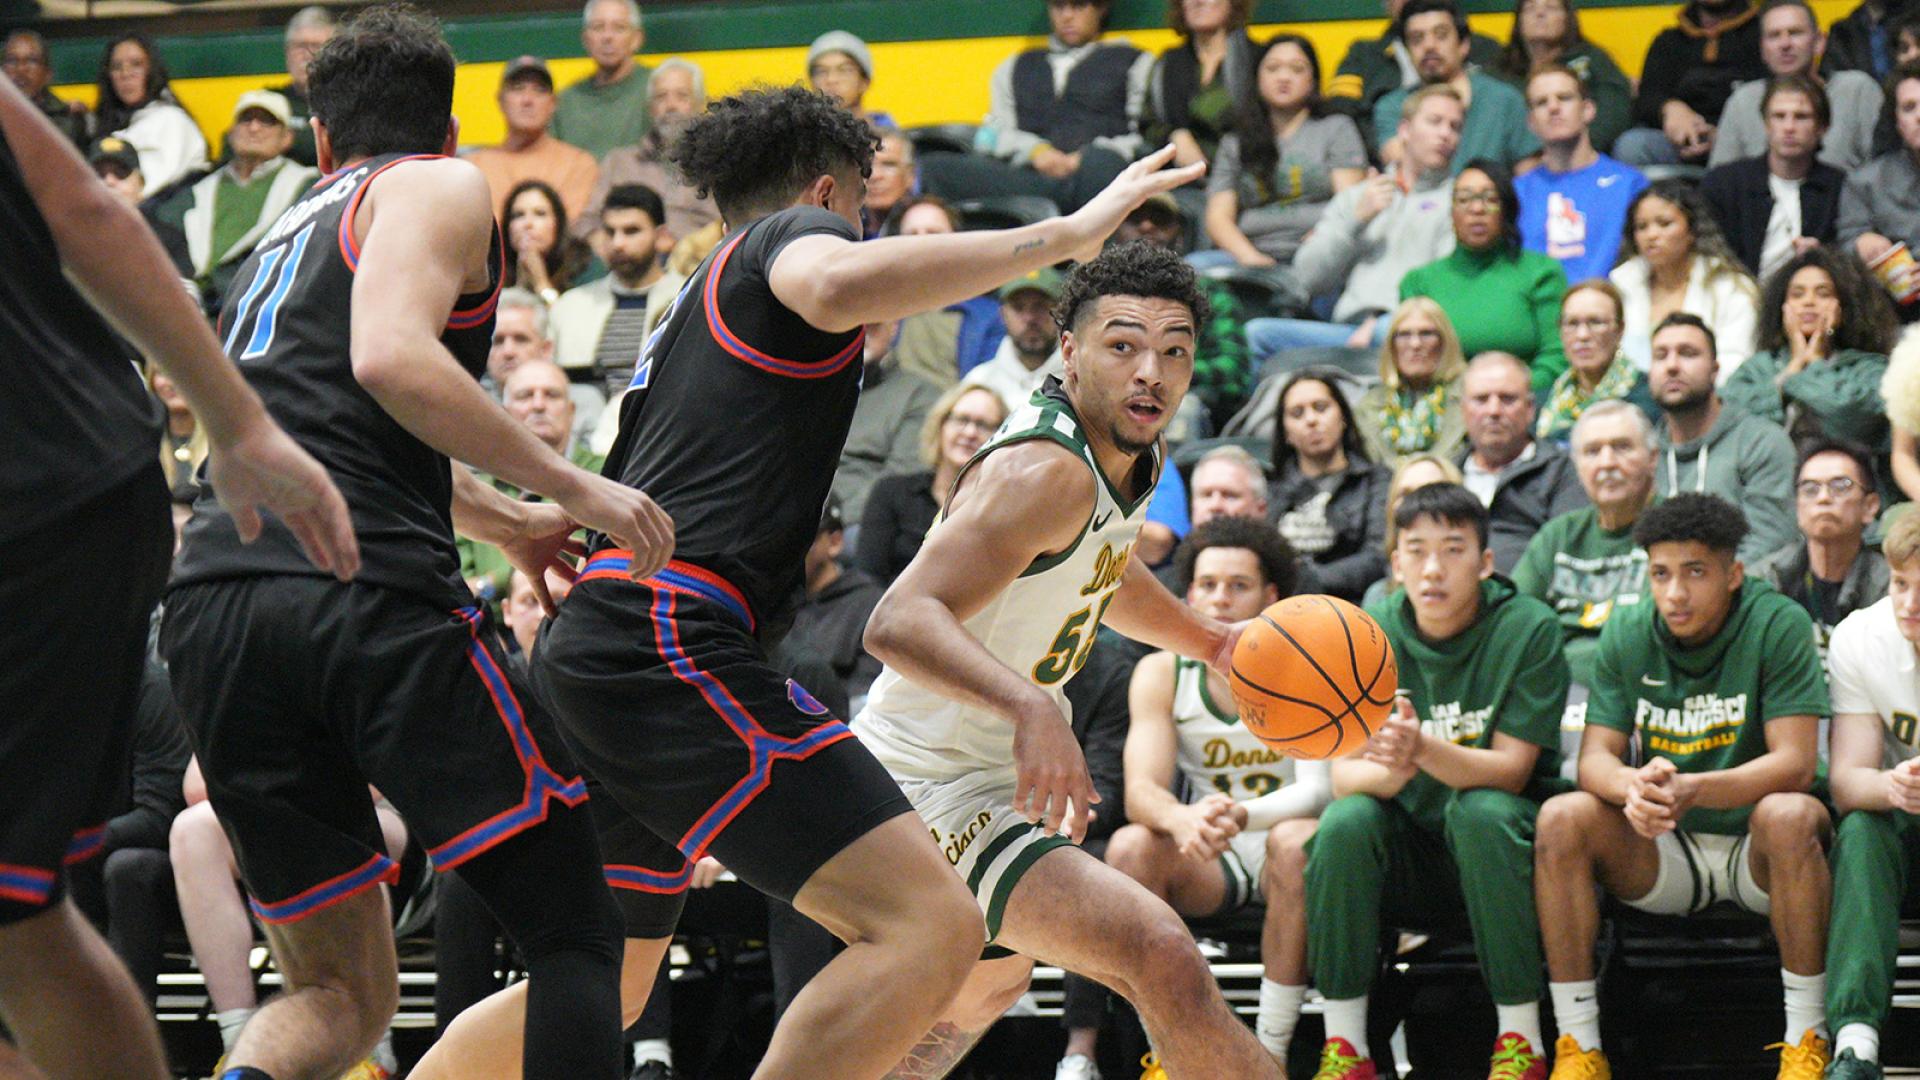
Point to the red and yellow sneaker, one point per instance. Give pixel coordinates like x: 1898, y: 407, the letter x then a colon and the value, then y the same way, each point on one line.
x: 1153, y: 1069
x: 1514, y: 1059
x: 1808, y: 1061
x: 1572, y: 1063
x: 1339, y: 1061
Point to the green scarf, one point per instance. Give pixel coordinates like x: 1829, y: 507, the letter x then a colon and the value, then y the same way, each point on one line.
x: 1566, y: 401
x: 1410, y: 422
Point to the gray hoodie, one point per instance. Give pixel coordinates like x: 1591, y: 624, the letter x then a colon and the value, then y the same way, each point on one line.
x: 1745, y: 460
x: 1369, y: 258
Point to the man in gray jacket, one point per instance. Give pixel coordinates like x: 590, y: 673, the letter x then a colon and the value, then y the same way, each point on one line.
x: 1522, y: 480
x: 1790, y: 44
x: 1834, y: 572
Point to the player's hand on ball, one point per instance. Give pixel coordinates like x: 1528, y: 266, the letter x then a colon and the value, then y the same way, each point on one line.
x: 629, y: 518
x: 545, y: 535
x: 1903, y: 786
x: 264, y: 468
x: 1149, y: 176
x: 1053, y: 788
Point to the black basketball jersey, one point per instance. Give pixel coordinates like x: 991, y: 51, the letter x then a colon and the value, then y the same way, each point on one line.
x: 737, y: 414
x: 76, y: 417
x: 286, y: 323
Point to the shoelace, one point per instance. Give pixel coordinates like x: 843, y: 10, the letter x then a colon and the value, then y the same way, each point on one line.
x: 1573, y: 1063
x: 1806, y: 1061
x: 1334, y: 1064
x: 1511, y: 1060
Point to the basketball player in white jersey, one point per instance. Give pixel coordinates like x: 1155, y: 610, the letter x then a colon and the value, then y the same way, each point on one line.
x: 1031, y: 552
x: 1209, y: 855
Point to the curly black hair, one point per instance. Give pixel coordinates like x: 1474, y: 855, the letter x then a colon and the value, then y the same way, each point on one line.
x: 1692, y: 517
x: 1867, y: 319
x: 1450, y: 503
x: 1278, y: 564
x: 1135, y: 268
x: 755, y: 151
x: 384, y: 84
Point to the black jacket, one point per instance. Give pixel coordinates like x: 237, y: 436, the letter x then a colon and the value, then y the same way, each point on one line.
x: 1742, y: 202
x: 1699, y: 67
x: 1357, y: 512
x: 1544, y: 486
x: 833, y: 624
x: 1788, y: 570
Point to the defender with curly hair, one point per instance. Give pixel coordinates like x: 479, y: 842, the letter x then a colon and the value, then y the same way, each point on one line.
x: 982, y: 631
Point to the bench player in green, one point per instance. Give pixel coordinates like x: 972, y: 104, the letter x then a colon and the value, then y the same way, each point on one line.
x: 1434, y: 825
x: 980, y: 633
x: 1720, y: 679
x: 1876, y: 787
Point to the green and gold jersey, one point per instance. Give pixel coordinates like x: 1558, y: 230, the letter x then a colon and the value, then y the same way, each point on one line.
x: 1706, y: 708
x: 1042, y: 625
x: 1215, y: 752
x: 1504, y: 673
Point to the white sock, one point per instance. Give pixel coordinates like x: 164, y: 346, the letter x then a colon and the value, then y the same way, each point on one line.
x: 231, y: 1021
x: 1862, y: 1039
x: 1347, y: 1020
x: 383, y: 1054
x: 1806, y: 1004
x: 645, y: 1050
x: 1576, y: 1009
x: 1522, y: 1020
x: 1279, y: 1012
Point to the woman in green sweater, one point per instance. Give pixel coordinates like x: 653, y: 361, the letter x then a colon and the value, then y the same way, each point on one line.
x: 1499, y: 296
x: 1548, y: 32
x: 1415, y: 408
x: 1825, y: 329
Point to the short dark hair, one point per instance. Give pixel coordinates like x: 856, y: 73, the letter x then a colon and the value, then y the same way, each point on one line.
x: 1861, y: 457
x: 1692, y: 517
x: 1450, y: 503
x: 1424, y: 7
x: 1799, y: 84
x: 1502, y: 178
x: 1135, y: 268
x: 384, y: 84
x: 636, y: 197
x: 1812, y: 19
x: 1688, y: 318
x: 1867, y: 318
x: 1278, y: 564
x: 754, y: 152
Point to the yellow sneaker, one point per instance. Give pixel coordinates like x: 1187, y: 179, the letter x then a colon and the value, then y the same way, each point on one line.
x: 1154, y: 1070
x: 1572, y: 1063
x: 1808, y: 1061
x: 367, y: 1070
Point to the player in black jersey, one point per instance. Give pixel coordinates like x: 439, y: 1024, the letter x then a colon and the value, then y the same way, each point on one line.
x: 83, y: 553
x: 735, y: 419
x: 363, y: 319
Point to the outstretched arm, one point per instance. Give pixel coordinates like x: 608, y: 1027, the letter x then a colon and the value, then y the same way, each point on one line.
x: 1145, y: 611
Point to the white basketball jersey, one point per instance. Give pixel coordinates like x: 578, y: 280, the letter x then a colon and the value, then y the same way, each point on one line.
x: 1215, y: 752
x: 1042, y: 625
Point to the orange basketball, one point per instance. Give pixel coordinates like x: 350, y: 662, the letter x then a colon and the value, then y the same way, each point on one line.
x: 1313, y: 676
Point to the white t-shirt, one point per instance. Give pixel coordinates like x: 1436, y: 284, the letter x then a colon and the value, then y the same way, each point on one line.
x: 1783, y: 225
x: 1875, y: 673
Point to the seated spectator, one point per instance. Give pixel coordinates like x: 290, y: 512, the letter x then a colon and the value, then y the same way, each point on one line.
x: 1867, y: 39
x: 1281, y: 164
x: 1415, y: 408
x: 117, y: 165
x: 599, y: 327
x: 940, y: 346
x: 1900, y: 389
x: 1547, y: 33
x: 840, y: 66
x: 1497, y: 295
x: 1824, y: 335
x: 1790, y: 45
x: 225, y: 214
x: 1783, y: 202
x: 1690, y: 71
x: 183, y: 442
x: 1327, y: 497
x: 890, y: 183
x: 1063, y: 120
x: 307, y: 32
x: 1372, y: 233
x: 1574, y: 206
x: 1719, y: 681
x: 530, y: 152
x: 1495, y: 127
x: 520, y: 333
x: 608, y: 109
x: 1223, y: 373
x: 832, y: 620
x: 1414, y: 471
x: 1674, y: 259
x: 885, y: 436
x: 901, y: 508
x: 1880, y: 202
x: 1227, y: 482
x: 1375, y: 67
x: 541, y: 257
x: 27, y: 65
x: 1198, y: 86
x: 1584, y: 563
x: 1711, y: 445
x: 1522, y: 481
x: 1031, y: 350
x: 136, y: 104
x: 522, y: 613
x: 676, y: 93
x: 1834, y: 573
x: 1591, y: 324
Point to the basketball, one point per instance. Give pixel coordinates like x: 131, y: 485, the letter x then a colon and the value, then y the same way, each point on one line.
x: 1313, y: 676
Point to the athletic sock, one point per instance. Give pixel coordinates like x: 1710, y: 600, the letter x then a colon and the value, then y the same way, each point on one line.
x: 1806, y: 1004
x: 1522, y: 1020
x: 645, y: 1050
x: 1347, y: 1019
x: 1576, y: 1009
x: 1862, y: 1039
x: 1279, y: 1012
x: 231, y: 1021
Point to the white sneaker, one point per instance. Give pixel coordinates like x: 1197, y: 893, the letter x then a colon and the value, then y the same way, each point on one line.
x: 1076, y: 1067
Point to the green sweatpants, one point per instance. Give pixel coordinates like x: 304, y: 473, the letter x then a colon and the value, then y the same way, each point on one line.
x: 1370, y: 860
x: 1873, y: 854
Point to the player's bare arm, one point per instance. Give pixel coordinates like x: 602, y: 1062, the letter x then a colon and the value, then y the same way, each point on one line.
x: 838, y: 285
x: 1145, y: 611
x: 113, y: 259
x: 532, y: 536
x: 1859, y: 783
x: 1603, y: 768
x: 1151, y: 752
x: 1028, y: 500
x: 1359, y: 776
x: 425, y: 231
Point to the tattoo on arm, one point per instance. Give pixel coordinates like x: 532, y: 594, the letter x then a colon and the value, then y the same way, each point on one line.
x: 936, y: 1054
x: 1028, y: 245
